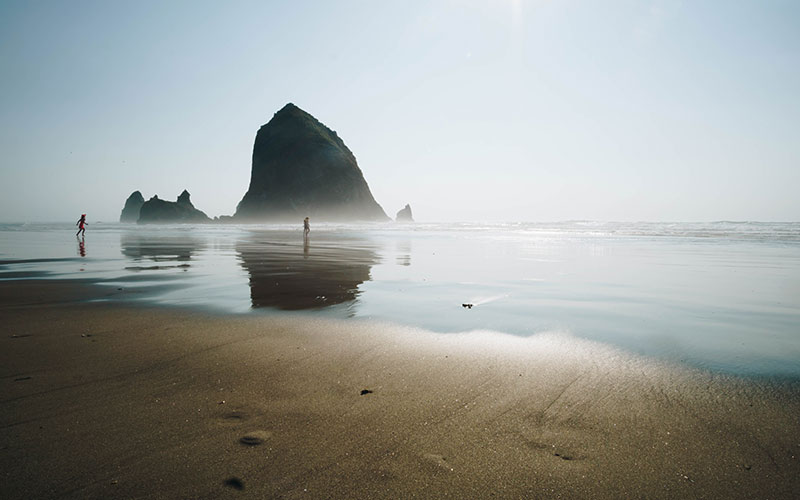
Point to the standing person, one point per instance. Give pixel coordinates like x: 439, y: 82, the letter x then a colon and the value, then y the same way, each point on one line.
x: 81, y: 223
x: 306, y: 228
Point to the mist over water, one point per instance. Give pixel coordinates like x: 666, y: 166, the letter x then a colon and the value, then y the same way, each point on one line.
x: 723, y: 296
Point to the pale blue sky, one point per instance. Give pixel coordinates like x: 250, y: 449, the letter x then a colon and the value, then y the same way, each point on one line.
x: 469, y: 110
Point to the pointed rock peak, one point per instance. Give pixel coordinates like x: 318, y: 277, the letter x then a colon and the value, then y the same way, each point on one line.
x: 290, y: 109
x: 292, y: 116
x: 135, y: 196
x: 130, y: 212
x: 405, y: 214
x: 184, y: 198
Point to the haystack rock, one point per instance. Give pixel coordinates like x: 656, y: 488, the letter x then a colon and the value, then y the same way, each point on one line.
x: 157, y: 211
x: 404, y: 215
x: 302, y: 168
x: 130, y: 212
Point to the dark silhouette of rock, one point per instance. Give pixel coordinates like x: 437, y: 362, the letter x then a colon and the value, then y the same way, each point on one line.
x: 404, y: 215
x: 130, y: 212
x: 156, y: 210
x: 183, y: 199
x: 302, y: 168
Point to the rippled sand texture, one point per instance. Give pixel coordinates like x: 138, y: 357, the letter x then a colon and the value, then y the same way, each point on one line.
x: 102, y: 401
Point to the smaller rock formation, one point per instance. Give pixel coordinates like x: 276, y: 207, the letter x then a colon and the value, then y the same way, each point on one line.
x: 158, y: 211
x: 404, y: 215
x: 130, y: 212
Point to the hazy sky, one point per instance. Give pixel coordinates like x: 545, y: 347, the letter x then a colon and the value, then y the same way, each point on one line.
x: 468, y: 110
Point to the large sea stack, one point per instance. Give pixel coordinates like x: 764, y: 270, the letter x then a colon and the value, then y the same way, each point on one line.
x: 302, y: 168
x: 160, y: 211
x: 130, y: 212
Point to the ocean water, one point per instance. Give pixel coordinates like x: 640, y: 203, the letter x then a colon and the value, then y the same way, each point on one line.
x: 722, y: 296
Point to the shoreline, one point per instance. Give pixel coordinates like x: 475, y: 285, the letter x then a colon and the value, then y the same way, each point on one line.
x: 107, y: 399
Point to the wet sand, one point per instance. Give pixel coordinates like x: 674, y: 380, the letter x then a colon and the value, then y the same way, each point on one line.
x: 106, y: 400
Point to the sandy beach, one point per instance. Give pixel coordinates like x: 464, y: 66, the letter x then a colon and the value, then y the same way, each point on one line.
x: 391, y: 250
x: 104, y: 400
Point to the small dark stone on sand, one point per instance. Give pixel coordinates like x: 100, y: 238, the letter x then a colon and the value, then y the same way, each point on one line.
x: 234, y: 482
x: 366, y: 391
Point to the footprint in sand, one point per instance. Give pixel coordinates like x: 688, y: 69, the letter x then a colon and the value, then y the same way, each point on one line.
x: 437, y: 460
x: 232, y: 418
x: 567, y: 455
x: 557, y: 452
x: 234, y: 482
x: 536, y: 445
x: 255, y: 438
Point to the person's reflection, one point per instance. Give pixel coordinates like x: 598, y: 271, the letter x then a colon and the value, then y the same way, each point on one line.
x: 81, y: 247
x: 283, y: 277
x: 166, y: 250
x: 403, y: 249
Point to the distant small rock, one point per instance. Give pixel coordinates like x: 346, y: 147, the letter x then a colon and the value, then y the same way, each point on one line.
x: 404, y: 215
x: 366, y: 391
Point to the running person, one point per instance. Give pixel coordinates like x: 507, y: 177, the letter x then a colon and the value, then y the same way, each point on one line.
x: 81, y: 225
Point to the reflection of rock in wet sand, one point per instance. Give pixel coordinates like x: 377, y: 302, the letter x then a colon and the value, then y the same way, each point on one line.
x: 289, y: 274
x: 160, y: 248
